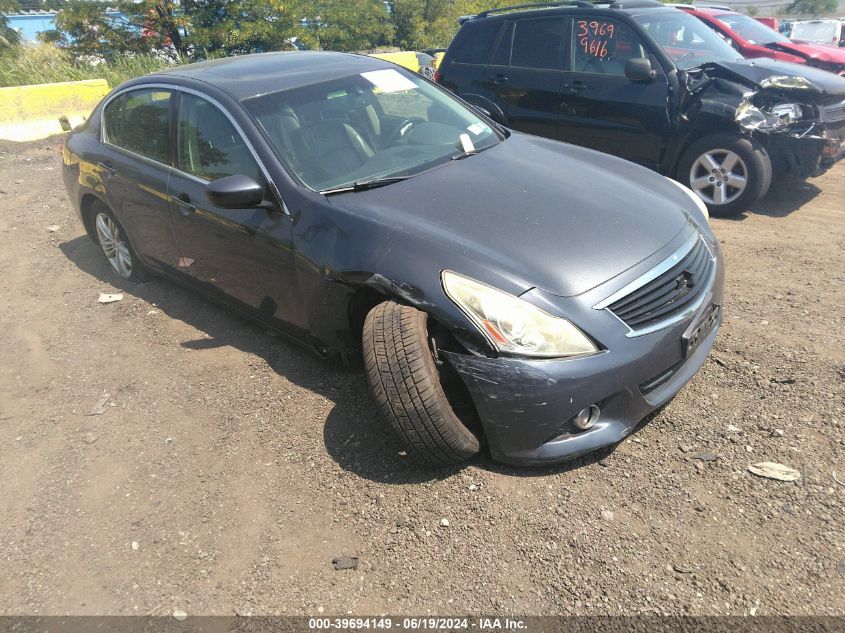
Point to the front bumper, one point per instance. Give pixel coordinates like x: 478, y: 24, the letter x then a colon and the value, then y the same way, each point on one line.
x: 807, y: 153
x: 526, y: 406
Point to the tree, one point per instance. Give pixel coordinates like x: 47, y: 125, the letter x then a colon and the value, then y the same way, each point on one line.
x: 202, y: 28
x: 232, y: 27
x: 8, y: 36
x: 86, y: 28
x: 420, y: 24
x: 811, y: 7
x: 178, y: 28
x: 344, y: 25
x: 751, y: 10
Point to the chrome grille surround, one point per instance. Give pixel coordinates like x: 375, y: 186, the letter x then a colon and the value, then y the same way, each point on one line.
x: 670, y: 269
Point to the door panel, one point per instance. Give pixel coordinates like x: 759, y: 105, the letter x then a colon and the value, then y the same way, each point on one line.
x: 526, y: 73
x: 241, y: 256
x: 225, y: 250
x: 600, y: 107
x: 135, y: 172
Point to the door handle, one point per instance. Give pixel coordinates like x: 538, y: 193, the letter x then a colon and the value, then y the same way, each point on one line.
x: 498, y: 78
x: 183, y: 201
x: 107, y: 167
x: 575, y: 86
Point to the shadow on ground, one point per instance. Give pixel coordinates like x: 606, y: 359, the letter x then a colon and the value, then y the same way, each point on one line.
x: 784, y: 198
x: 354, y: 435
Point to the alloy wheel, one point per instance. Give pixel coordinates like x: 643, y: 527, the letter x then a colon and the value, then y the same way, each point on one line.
x: 114, y: 245
x: 719, y: 176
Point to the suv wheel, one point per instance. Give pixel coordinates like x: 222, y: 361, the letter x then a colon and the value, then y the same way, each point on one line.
x: 728, y: 172
x: 406, y: 385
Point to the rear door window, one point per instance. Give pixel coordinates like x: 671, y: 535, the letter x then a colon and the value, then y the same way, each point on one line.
x: 502, y: 56
x: 475, y: 41
x: 139, y: 121
x: 537, y: 44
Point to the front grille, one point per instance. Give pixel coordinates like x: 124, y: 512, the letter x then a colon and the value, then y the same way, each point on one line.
x: 671, y: 292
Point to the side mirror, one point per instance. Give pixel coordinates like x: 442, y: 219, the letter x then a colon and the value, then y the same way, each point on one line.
x: 639, y: 69
x: 235, y: 192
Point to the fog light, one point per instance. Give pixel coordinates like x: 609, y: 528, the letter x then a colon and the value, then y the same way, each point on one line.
x: 586, y: 418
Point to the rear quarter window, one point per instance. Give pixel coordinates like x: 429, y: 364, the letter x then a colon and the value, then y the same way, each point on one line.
x: 475, y: 41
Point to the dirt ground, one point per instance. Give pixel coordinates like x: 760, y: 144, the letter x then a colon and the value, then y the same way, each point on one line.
x: 229, y: 467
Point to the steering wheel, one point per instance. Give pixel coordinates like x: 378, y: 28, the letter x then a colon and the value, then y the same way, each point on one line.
x: 401, y: 131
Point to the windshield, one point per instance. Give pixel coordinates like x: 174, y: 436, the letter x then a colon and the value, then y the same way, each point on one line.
x: 686, y: 39
x: 822, y: 31
x: 379, y: 124
x: 750, y: 29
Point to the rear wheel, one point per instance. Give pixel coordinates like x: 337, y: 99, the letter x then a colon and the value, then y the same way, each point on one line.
x: 115, y: 245
x: 407, y: 387
x: 727, y: 172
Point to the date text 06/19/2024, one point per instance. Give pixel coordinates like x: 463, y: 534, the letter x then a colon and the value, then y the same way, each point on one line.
x: 429, y: 623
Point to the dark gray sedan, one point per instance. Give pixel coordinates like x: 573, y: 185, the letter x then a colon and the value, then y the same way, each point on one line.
x: 504, y: 290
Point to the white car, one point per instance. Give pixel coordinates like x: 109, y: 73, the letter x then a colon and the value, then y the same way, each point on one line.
x: 818, y: 31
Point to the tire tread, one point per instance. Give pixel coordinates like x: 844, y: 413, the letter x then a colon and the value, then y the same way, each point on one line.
x: 406, y: 387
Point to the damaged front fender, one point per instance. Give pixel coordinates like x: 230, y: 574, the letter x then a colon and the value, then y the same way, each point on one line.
x: 783, y: 113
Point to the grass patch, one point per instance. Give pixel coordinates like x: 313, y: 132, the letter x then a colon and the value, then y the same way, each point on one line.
x: 44, y: 63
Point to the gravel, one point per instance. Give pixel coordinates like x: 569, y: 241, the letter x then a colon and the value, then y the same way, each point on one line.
x: 241, y: 466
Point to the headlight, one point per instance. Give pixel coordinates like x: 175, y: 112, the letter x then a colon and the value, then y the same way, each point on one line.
x: 773, y: 117
x: 787, y: 112
x: 694, y: 197
x: 513, y: 325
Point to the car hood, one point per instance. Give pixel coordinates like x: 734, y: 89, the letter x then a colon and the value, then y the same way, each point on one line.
x: 813, y: 84
x: 813, y: 51
x: 557, y: 216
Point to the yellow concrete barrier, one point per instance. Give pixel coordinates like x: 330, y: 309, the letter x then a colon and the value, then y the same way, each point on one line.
x: 28, y: 113
x: 408, y: 59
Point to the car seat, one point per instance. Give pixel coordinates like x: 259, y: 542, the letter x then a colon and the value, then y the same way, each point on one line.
x: 329, y: 150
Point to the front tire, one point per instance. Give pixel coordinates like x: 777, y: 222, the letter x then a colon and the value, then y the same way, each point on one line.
x: 728, y: 172
x: 115, y: 245
x: 406, y: 386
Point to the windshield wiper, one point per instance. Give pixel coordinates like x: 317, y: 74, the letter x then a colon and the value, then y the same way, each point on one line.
x: 464, y: 154
x: 465, y: 146
x: 363, y: 185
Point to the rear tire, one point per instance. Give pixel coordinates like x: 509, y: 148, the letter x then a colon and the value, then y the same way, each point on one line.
x: 115, y: 245
x: 406, y: 386
x: 727, y: 171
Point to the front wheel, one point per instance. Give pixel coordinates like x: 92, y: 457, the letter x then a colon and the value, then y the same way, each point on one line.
x: 728, y: 172
x: 407, y: 388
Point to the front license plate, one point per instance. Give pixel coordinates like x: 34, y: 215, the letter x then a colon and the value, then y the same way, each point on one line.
x: 700, y: 331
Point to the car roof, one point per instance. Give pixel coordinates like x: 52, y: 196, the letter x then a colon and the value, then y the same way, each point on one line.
x: 246, y: 76
x: 633, y: 7
x: 691, y: 8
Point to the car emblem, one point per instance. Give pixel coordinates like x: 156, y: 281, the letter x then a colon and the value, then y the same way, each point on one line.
x: 685, y: 280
